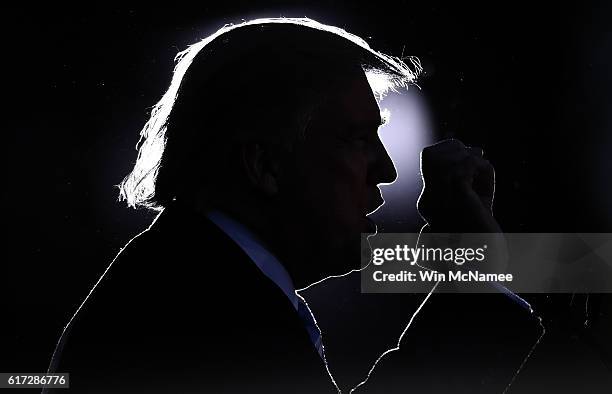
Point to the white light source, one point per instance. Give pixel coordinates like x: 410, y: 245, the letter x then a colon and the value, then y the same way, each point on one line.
x: 407, y: 131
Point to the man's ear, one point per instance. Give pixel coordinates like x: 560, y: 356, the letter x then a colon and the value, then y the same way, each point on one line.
x: 260, y: 167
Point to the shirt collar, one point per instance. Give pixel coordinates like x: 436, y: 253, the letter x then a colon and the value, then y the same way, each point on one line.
x: 254, y: 248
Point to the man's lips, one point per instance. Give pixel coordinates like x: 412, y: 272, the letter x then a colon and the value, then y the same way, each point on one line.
x: 374, y: 202
x: 369, y: 226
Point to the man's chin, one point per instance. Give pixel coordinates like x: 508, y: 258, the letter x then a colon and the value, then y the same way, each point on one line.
x: 337, y: 254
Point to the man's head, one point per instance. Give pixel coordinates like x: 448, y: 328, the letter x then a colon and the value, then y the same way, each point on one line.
x: 274, y: 121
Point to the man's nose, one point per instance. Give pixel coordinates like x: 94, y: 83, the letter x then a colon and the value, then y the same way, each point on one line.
x: 383, y: 169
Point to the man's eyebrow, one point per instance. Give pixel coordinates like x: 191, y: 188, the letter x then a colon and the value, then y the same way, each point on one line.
x: 367, y: 127
x: 384, y: 115
x: 372, y: 124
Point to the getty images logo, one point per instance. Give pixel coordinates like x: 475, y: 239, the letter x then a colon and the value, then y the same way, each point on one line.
x: 411, y: 255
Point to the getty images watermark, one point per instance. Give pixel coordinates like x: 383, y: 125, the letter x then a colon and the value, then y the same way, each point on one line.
x: 523, y: 263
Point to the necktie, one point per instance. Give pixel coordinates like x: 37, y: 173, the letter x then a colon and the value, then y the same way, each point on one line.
x: 310, y: 325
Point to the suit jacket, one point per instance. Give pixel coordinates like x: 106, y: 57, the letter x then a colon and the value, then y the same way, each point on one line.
x: 184, y: 309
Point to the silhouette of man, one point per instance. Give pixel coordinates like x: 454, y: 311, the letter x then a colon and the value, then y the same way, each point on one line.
x: 263, y: 159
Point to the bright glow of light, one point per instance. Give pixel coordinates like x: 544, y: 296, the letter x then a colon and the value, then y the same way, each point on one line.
x: 406, y: 132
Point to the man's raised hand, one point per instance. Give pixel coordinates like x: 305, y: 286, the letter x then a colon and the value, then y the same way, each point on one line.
x: 458, y: 189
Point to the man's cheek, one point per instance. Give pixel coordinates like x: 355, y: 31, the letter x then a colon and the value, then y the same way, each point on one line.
x: 340, y: 184
x: 350, y: 201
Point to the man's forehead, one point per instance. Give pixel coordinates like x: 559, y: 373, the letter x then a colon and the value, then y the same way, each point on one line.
x: 353, y: 100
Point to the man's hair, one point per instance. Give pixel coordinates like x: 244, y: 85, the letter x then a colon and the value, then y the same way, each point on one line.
x: 261, y: 77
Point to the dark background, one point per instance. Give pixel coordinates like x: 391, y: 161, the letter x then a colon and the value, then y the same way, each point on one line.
x: 530, y: 84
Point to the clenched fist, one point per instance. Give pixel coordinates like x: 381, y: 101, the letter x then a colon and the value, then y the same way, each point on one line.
x: 458, y: 189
